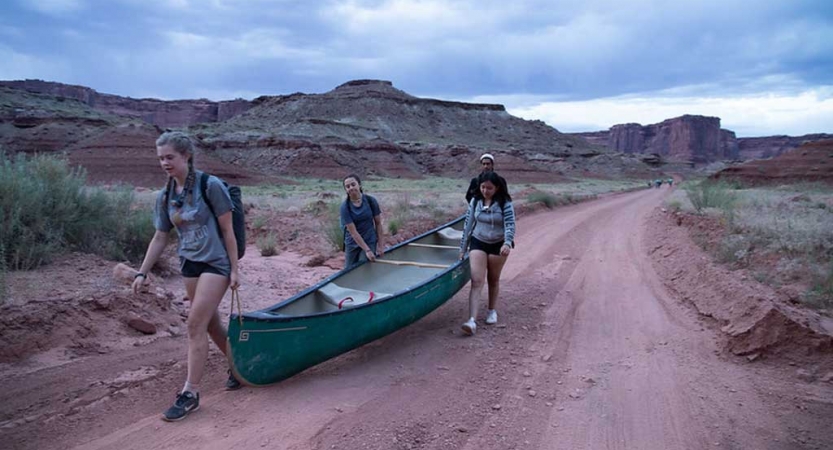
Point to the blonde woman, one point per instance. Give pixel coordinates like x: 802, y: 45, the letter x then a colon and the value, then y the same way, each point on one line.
x: 207, y: 254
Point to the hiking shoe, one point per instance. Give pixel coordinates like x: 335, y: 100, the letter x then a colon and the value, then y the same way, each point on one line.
x: 491, y: 319
x: 470, y: 327
x: 186, y: 402
x: 232, y: 384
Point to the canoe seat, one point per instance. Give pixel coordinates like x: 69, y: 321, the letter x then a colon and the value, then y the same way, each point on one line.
x: 451, y: 233
x: 346, y: 297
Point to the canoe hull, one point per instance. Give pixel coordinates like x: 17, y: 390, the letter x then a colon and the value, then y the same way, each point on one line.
x: 264, y: 350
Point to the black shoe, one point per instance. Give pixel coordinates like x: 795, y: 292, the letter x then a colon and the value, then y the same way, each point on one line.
x: 232, y: 384
x: 186, y: 402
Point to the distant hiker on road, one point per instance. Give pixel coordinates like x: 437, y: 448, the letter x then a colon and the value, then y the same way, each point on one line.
x: 489, y: 231
x: 670, y: 181
x: 208, y: 259
x: 361, y: 218
x: 487, y: 164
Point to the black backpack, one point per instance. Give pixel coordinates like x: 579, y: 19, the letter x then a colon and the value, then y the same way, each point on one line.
x: 238, y: 215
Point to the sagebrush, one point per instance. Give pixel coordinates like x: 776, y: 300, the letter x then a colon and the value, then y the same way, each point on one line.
x: 46, y: 209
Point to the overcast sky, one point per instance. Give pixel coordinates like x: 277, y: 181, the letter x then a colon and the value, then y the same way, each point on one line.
x: 764, y: 67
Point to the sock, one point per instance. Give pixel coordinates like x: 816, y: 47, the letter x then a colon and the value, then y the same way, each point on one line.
x: 191, y: 387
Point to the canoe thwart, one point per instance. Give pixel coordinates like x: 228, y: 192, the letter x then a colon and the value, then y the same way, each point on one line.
x: 412, y: 263
x: 451, y: 233
x: 346, y: 297
x: 451, y: 247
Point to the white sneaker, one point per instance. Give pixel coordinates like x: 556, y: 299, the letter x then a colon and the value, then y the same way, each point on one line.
x: 491, y: 319
x: 470, y: 327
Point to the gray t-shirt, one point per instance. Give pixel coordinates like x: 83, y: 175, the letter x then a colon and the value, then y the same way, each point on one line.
x: 362, y: 218
x: 198, y: 230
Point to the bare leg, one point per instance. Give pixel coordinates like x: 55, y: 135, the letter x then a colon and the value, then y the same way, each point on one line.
x: 216, y: 329
x: 207, y: 296
x: 478, y: 262
x: 495, y: 266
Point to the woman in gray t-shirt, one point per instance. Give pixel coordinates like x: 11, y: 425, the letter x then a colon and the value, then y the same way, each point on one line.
x: 361, y: 218
x: 489, y: 232
x: 207, y: 251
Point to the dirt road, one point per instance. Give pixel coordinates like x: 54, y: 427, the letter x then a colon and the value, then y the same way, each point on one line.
x: 591, y: 352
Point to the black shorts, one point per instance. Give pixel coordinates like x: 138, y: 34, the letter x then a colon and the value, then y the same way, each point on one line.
x: 490, y: 249
x: 193, y: 269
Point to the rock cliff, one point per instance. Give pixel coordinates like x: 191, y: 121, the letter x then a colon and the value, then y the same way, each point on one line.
x: 161, y: 113
x: 771, y: 146
x: 690, y: 139
x: 695, y: 140
x: 809, y: 162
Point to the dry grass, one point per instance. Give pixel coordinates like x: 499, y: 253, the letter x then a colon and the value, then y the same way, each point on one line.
x: 783, y: 235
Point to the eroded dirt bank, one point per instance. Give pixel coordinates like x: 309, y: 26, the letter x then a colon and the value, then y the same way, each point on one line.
x: 593, y: 350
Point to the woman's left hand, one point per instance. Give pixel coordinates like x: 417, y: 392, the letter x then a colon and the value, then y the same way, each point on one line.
x: 234, y: 280
x: 380, y: 250
x: 504, y: 251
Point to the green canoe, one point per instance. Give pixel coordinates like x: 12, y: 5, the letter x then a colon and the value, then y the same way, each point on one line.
x: 348, y: 309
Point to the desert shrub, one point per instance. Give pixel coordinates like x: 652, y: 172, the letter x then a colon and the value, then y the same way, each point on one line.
x: 268, y: 244
x: 331, y: 225
x: 710, y: 194
x: 675, y: 206
x: 2, y: 274
x: 259, y: 222
x: 401, y: 213
x: 394, y: 225
x: 821, y: 294
x: 544, y: 198
x: 735, y: 249
x: 45, y: 208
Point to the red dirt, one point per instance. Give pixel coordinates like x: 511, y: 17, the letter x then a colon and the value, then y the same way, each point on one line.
x: 615, y: 332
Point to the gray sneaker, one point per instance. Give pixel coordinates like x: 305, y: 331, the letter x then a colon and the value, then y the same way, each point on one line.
x: 232, y: 384
x: 186, y: 403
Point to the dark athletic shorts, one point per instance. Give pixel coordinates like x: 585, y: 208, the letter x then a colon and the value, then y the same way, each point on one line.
x: 193, y: 269
x: 490, y: 249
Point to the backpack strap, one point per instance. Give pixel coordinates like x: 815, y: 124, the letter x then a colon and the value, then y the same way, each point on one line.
x: 204, y: 192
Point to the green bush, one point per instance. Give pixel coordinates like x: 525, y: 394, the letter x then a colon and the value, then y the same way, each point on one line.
x: 821, y: 294
x: 401, y: 213
x: 259, y: 222
x: 2, y: 275
x: 710, y: 194
x: 544, y: 198
x: 394, y: 225
x: 331, y: 225
x: 268, y: 244
x: 46, y: 209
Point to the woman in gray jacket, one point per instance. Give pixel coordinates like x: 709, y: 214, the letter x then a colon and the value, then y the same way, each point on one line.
x: 489, y: 233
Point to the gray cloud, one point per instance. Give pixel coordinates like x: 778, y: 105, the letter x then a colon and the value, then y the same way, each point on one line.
x: 567, y: 51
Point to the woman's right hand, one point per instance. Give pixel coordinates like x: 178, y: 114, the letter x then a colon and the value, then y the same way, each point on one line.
x: 462, y: 255
x: 138, y: 282
x: 370, y: 255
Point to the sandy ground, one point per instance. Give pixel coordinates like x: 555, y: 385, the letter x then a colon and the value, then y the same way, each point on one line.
x: 596, y: 348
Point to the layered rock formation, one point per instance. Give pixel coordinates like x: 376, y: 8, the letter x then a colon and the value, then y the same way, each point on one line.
x: 374, y: 128
x: 164, y: 114
x: 113, y: 149
x: 810, y: 162
x: 690, y: 139
x: 695, y: 140
x: 363, y: 126
x: 771, y: 146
